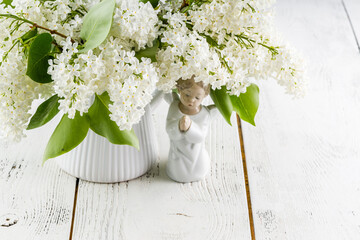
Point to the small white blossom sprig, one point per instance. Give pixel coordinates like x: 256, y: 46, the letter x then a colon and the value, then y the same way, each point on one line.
x: 135, y: 23
x: 186, y: 53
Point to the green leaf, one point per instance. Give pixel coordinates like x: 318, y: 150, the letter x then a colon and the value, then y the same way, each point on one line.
x: 39, y: 57
x: 247, y: 104
x: 212, y: 42
x: 7, y: 2
x: 28, y: 35
x: 67, y: 135
x: 154, y: 3
x: 97, y: 24
x: 149, y: 52
x: 223, y: 102
x: 101, y: 123
x: 44, y: 113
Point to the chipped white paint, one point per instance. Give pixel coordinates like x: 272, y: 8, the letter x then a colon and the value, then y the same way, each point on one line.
x: 154, y: 207
x: 304, y: 157
x: 35, y: 202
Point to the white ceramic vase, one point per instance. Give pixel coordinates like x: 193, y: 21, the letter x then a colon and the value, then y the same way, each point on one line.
x: 98, y: 160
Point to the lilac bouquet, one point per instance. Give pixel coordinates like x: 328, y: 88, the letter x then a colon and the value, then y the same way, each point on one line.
x: 98, y: 62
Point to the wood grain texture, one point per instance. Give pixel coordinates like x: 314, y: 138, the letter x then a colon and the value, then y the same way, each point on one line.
x: 304, y: 157
x: 35, y: 202
x: 154, y: 207
x: 353, y: 10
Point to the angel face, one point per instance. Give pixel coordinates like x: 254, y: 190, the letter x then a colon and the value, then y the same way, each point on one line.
x: 191, y: 98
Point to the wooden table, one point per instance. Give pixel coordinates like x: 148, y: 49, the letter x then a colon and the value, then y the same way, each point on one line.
x: 302, y: 161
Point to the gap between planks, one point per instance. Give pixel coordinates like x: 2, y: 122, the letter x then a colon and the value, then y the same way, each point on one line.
x: 351, y: 25
x: 74, y: 208
x: 248, y: 197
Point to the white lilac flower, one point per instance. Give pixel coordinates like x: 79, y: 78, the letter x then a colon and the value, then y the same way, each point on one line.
x: 77, y: 77
x: 188, y: 53
x: 169, y: 6
x: 128, y: 81
x: 62, y: 16
x: 135, y: 23
x: 241, y: 33
x: 232, y: 16
x: 17, y: 92
x: 130, y: 84
x: 289, y: 71
x: 222, y: 42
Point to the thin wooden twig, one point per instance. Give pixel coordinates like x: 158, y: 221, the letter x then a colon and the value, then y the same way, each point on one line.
x: 51, y: 31
x: 247, y: 186
x: 74, y: 209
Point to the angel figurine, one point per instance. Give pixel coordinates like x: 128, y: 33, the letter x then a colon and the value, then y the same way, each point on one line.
x: 187, y: 124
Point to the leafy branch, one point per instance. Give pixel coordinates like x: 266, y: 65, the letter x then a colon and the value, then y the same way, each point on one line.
x: 16, y: 18
x: 79, y: 11
x: 249, y: 44
x: 28, y: 37
x: 241, y: 39
x: 34, y: 25
x: 52, y: 31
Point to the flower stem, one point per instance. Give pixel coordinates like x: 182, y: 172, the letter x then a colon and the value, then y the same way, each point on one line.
x: 7, y: 53
x: 16, y: 18
x: 188, y: 4
x: 184, y: 7
x: 51, y: 31
x: 242, y: 37
x: 184, y: 4
x: 35, y: 25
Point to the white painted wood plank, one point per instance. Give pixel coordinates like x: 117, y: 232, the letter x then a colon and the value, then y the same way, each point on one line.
x: 37, y: 200
x: 304, y: 155
x: 353, y: 9
x: 154, y: 207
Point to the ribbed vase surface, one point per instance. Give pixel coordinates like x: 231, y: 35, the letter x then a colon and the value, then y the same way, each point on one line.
x: 98, y: 160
